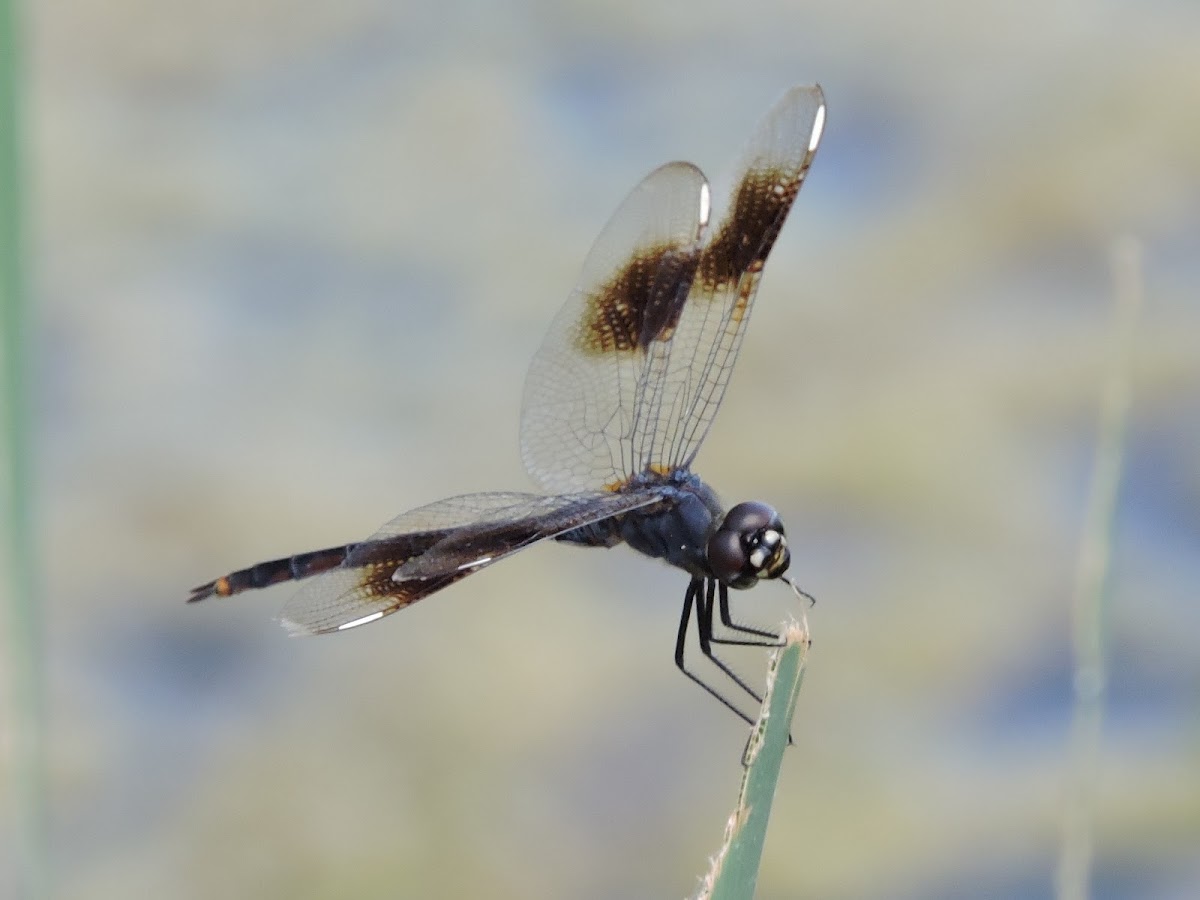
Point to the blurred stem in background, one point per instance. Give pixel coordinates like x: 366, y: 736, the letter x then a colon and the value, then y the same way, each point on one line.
x: 24, y: 731
x: 1092, y: 582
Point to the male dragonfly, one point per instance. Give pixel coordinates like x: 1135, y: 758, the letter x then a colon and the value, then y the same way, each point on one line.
x: 617, y: 402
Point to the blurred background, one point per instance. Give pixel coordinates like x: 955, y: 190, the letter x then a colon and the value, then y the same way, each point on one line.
x: 289, y: 263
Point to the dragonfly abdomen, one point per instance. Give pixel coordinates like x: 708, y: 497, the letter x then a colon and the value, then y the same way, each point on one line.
x: 605, y: 533
x: 275, y: 571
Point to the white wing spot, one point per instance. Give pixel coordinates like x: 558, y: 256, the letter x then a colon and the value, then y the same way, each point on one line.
x: 362, y: 621
x: 471, y: 565
x: 818, y: 127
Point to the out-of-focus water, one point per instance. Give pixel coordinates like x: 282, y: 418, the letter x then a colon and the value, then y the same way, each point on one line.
x: 290, y: 265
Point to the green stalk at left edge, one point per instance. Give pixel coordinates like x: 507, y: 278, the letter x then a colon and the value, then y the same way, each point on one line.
x: 21, y: 656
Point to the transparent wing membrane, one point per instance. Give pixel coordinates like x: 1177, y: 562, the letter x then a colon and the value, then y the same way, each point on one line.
x: 635, y: 364
x: 582, y: 393
x: 431, y: 547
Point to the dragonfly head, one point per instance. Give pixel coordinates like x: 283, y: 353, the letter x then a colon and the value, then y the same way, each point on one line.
x: 748, y: 546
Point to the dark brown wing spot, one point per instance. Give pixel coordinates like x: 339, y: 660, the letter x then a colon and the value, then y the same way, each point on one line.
x: 379, y: 561
x: 376, y: 583
x: 746, y: 290
x: 640, y: 304
x: 376, y: 580
x: 749, y: 230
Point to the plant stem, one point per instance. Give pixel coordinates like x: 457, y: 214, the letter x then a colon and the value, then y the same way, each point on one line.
x: 24, y: 628
x: 734, y: 871
x: 1092, y: 584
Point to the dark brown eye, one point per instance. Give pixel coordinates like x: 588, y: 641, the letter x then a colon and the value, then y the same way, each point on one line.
x: 727, y: 559
x: 749, y: 545
x: 751, y: 516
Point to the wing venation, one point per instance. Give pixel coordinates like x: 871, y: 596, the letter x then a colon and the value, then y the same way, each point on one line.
x: 429, y: 548
x: 635, y: 365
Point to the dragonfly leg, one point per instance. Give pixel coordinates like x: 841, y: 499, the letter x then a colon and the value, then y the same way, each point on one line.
x: 695, y: 598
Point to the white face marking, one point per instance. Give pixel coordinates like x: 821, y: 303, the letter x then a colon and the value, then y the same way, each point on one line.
x: 363, y: 621
x: 758, y: 556
x: 705, y: 203
x: 818, y: 127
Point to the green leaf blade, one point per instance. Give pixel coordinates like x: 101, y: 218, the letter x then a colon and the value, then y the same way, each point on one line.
x: 734, y: 871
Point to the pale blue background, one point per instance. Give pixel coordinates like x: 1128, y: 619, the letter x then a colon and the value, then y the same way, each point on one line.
x: 291, y: 261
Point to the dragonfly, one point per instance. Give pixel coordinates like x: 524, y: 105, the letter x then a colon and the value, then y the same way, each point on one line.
x: 617, y: 402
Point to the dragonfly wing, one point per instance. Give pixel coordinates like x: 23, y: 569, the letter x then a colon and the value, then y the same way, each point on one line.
x: 680, y: 405
x: 582, y: 391
x: 429, y: 548
x: 635, y: 365
x: 482, y: 543
x: 362, y: 589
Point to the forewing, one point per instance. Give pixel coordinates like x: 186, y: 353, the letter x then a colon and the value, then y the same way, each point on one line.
x: 428, y: 548
x: 362, y: 589
x: 582, y: 393
x: 679, y: 400
x: 480, y: 544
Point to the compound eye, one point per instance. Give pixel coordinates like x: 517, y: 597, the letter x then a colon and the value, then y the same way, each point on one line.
x: 751, y: 516
x: 728, y: 559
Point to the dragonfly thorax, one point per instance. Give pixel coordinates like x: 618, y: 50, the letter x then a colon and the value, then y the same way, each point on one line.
x: 676, y: 531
